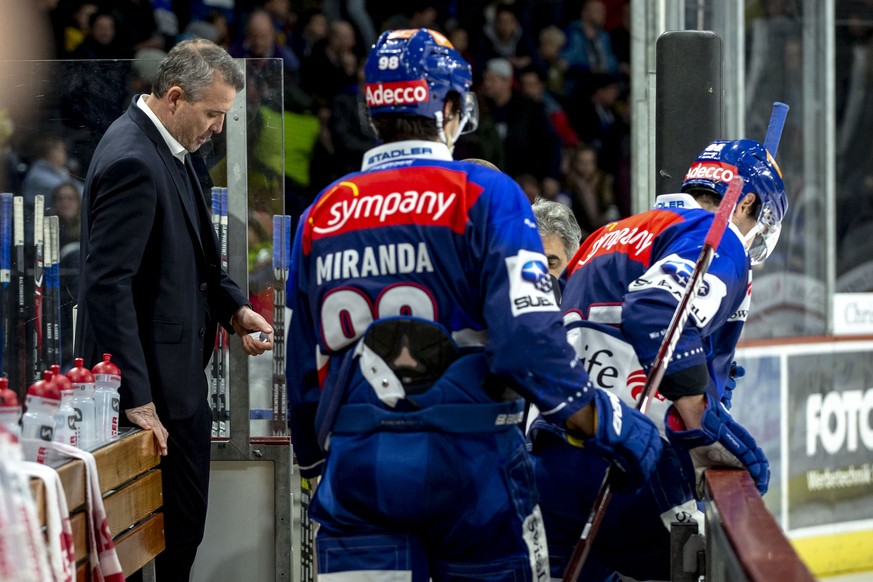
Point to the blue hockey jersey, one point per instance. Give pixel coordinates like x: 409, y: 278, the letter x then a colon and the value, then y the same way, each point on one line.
x: 626, y: 281
x: 417, y: 234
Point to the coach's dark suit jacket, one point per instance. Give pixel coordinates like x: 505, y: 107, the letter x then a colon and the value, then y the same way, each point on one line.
x: 151, y: 289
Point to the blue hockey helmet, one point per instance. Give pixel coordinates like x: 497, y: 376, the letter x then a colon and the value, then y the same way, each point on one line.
x: 412, y: 71
x: 716, y: 166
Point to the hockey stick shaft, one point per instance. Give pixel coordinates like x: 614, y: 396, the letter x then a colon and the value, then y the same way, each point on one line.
x: 659, y: 367
x: 216, y: 351
x: 38, y: 279
x: 53, y: 305
x: 774, y: 128
x: 5, y: 273
x: 20, y: 361
x: 223, y: 410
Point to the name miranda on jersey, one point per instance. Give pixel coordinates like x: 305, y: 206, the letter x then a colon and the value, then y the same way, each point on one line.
x: 388, y: 259
x: 382, y: 206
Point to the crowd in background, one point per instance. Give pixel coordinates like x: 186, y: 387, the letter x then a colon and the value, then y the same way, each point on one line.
x: 551, y: 77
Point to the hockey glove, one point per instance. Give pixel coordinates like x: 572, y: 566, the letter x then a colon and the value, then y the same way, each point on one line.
x: 730, y: 384
x: 627, y: 438
x: 721, y: 442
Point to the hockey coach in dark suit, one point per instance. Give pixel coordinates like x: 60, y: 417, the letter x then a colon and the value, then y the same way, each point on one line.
x: 152, y: 291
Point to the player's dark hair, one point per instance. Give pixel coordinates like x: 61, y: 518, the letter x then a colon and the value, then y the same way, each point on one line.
x: 712, y: 198
x: 401, y: 127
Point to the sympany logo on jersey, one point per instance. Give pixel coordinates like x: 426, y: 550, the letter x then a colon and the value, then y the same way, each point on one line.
x: 424, y: 196
x: 530, y: 286
x: 671, y: 274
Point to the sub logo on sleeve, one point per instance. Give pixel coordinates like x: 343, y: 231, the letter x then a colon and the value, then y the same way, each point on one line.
x: 530, y: 286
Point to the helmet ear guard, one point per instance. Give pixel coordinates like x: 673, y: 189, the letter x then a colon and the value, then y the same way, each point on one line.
x: 716, y: 166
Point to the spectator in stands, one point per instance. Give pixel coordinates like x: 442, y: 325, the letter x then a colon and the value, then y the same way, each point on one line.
x: 355, y: 11
x: 520, y: 129
x: 77, y: 28
x: 260, y: 42
x: 136, y: 27
x: 347, y: 137
x: 143, y: 69
x: 620, y: 39
x: 551, y: 40
x: 599, y: 121
x: 332, y: 66
x: 66, y: 204
x: 415, y: 14
x: 49, y: 170
x: 12, y: 169
x: 590, y: 189
x: 589, y: 48
x: 504, y: 37
x: 101, y: 41
x: 529, y: 185
x: 533, y: 86
x: 313, y: 28
x: 460, y: 39
x: 284, y: 19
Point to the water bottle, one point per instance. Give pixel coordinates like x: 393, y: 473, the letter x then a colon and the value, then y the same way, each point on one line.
x: 83, y: 401
x: 107, y: 379
x: 65, y: 417
x: 41, y: 403
x: 10, y: 408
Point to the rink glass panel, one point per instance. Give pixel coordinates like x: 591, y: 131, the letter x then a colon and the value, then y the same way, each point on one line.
x: 76, y: 101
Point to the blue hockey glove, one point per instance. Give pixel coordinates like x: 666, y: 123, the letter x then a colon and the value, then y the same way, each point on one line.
x: 627, y: 438
x: 730, y: 385
x: 721, y: 442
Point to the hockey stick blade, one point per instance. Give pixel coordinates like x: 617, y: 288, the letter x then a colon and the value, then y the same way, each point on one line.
x: 659, y: 366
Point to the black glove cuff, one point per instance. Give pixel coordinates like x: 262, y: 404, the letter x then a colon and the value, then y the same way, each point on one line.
x: 688, y: 382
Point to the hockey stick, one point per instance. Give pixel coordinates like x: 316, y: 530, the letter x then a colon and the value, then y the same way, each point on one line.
x: 223, y: 411
x: 53, y: 305
x: 36, y: 365
x: 5, y: 273
x: 281, y: 252
x: 216, y: 351
x: 659, y: 366
x: 48, y: 321
x: 774, y: 128
x: 20, y: 374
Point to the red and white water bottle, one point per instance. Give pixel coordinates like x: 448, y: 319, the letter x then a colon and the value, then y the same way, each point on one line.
x: 10, y: 408
x: 41, y: 404
x: 65, y: 417
x: 107, y: 380
x: 83, y: 402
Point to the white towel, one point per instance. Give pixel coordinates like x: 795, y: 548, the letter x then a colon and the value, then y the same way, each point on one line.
x: 23, y: 553
x: 59, y: 531
x: 104, y: 564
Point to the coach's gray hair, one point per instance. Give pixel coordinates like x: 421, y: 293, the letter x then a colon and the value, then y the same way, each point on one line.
x: 554, y: 218
x: 192, y: 65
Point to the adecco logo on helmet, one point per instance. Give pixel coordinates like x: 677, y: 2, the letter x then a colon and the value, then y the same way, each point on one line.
x: 397, y: 93
x: 712, y: 171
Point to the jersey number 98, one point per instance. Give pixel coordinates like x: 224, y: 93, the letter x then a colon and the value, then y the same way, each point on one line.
x: 346, y: 313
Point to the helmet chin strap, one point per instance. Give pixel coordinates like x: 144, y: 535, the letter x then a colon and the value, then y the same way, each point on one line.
x: 441, y: 129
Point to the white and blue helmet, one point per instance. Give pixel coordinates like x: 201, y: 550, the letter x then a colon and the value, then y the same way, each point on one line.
x: 716, y: 166
x: 413, y: 71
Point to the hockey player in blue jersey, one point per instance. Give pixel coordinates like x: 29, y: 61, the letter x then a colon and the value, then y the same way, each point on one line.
x: 621, y: 289
x: 422, y: 313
